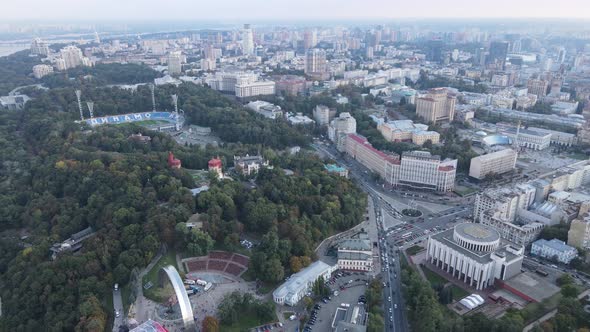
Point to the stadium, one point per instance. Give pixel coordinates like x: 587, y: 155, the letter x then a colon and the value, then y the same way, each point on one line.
x: 160, y: 121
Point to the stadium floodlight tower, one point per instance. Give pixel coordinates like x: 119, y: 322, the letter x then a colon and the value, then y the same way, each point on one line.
x: 152, y: 88
x: 91, y: 108
x: 78, y: 95
x: 175, y: 101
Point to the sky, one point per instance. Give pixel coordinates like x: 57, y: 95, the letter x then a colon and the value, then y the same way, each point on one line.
x: 244, y: 10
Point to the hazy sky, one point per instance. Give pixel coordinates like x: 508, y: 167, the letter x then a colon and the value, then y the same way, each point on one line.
x: 243, y: 10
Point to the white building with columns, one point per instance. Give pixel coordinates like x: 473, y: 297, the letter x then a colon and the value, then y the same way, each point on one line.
x: 475, y: 254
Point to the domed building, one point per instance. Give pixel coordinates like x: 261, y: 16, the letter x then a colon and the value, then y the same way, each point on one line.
x: 475, y: 254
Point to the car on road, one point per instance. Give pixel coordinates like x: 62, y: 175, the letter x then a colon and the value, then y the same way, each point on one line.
x: 117, y: 313
x: 116, y: 287
x: 395, y: 306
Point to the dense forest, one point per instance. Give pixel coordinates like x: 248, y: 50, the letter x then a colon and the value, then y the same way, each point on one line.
x: 16, y: 70
x: 101, y: 74
x: 59, y: 177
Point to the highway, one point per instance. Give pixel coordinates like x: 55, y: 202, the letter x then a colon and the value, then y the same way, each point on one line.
x: 393, y: 234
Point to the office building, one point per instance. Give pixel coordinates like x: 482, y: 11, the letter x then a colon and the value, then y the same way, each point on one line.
x: 355, y: 254
x: 537, y: 87
x: 497, y: 55
x: 557, y: 137
x: 493, y: 163
x: 300, y: 283
x: 554, y: 249
x: 529, y: 139
x: 247, y: 40
x: 174, y: 60
x: 258, y: 88
x: 42, y: 70
x: 434, y: 51
x: 339, y: 129
x: 438, y: 105
x: 289, y: 85
x: 414, y: 169
x: 421, y: 170
x: 407, y: 131
x: 315, y: 64
x: 39, y: 47
x: 474, y: 254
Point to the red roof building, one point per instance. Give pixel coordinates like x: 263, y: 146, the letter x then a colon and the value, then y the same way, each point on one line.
x: 173, y: 162
x: 215, y: 165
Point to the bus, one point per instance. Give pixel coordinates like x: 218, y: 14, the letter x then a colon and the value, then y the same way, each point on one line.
x: 541, y: 272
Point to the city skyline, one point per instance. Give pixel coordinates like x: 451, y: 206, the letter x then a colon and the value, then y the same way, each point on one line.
x: 260, y: 10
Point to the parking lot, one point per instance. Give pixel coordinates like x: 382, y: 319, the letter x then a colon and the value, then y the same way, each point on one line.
x: 349, y: 288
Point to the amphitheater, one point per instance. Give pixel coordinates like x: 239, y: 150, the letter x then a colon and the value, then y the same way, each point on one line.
x: 218, y: 261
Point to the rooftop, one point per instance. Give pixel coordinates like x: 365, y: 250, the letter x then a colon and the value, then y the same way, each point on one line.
x: 555, y: 244
x: 477, y: 232
x: 301, y: 279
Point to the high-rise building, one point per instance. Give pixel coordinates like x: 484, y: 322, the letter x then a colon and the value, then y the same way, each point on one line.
x: 339, y: 129
x: 247, y: 40
x: 310, y: 39
x: 72, y: 56
x: 537, y: 87
x: 434, y: 50
x: 42, y: 70
x: 174, y: 62
x: 498, y: 54
x: 579, y: 234
x: 316, y: 64
x: 493, y: 163
x: 39, y: 47
x: 369, y: 52
x: 321, y: 114
x: 561, y: 55
x: 437, y: 106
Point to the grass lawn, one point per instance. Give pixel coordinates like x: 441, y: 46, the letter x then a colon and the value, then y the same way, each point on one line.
x: 155, y: 293
x: 433, y: 277
x: 414, y: 250
x: 464, y: 191
x: 535, y: 310
x: 458, y: 292
x: 578, y: 156
x: 245, y: 321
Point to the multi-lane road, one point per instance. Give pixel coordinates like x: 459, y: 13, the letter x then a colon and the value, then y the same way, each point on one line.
x: 396, y: 231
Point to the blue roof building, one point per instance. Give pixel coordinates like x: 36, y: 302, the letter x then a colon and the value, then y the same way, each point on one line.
x: 554, y: 249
